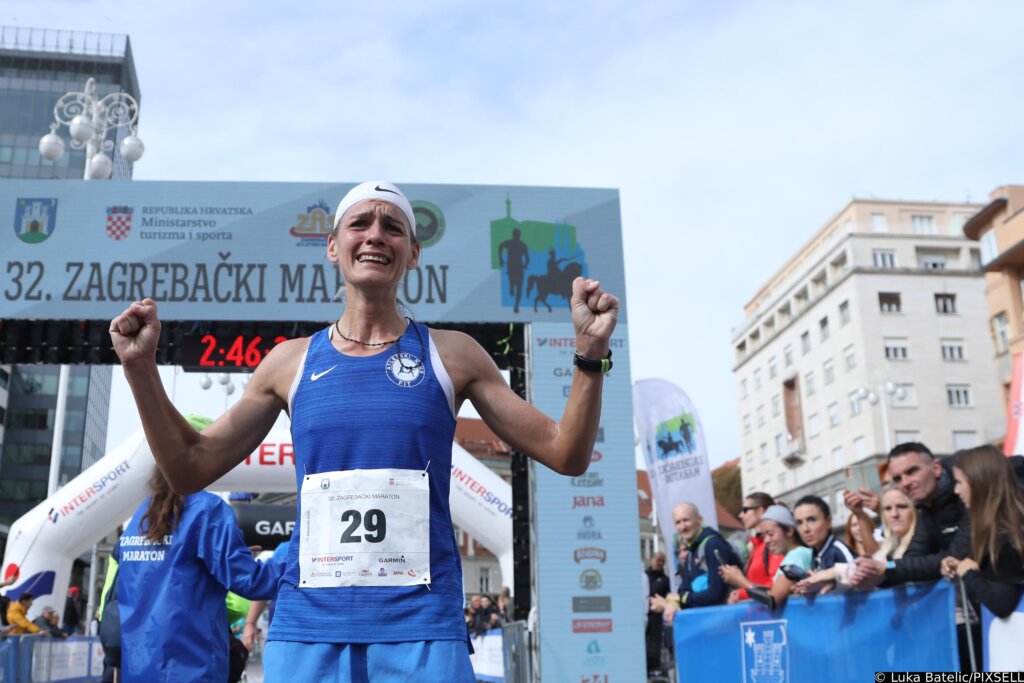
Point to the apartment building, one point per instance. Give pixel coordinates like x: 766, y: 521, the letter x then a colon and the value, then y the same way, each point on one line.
x: 874, y: 333
x: 999, y: 231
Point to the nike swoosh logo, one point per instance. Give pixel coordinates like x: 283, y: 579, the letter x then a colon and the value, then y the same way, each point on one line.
x: 317, y: 375
x: 384, y: 189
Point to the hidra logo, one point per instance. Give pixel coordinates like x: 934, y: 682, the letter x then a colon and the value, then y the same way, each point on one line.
x: 765, y: 651
x: 313, y: 227
x: 537, y: 261
x: 119, y: 222
x: 588, y: 531
x: 34, y: 219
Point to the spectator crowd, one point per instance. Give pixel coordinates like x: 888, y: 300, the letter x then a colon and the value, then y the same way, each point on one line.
x: 959, y: 517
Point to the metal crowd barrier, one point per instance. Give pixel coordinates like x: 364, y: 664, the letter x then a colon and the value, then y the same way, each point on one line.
x: 41, y: 659
x: 516, y: 648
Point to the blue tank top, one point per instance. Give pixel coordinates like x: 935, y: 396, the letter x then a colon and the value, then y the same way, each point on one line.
x: 349, y: 413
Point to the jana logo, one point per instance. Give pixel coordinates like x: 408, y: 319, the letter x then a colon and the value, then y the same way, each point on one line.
x: 543, y: 258
x: 119, y: 222
x: 676, y: 436
x: 765, y: 651
x: 34, y: 219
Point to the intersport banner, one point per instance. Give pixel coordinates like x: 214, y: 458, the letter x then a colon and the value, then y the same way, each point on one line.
x: 675, y: 451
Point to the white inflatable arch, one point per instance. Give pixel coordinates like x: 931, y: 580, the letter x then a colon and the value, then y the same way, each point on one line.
x: 44, y: 542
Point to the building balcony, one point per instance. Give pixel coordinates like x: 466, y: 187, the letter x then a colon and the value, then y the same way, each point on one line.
x: 794, y: 452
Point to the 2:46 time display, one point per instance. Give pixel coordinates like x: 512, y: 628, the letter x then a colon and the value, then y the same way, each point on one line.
x: 226, y: 353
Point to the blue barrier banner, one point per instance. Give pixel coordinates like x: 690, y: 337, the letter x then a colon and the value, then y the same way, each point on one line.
x: 78, y: 659
x: 824, y: 638
x: 1002, y: 639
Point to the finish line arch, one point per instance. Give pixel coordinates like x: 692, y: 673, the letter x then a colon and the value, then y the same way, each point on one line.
x: 250, y: 253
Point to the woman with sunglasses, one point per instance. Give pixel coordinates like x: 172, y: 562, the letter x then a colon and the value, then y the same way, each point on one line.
x: 988, y: 485
x: 762, y: 564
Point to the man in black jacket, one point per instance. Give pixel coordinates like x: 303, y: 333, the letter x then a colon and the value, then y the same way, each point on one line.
x: 659, y: 585
x: 943, y: 528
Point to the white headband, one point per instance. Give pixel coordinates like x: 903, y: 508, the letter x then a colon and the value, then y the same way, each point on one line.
x: 376, y: 189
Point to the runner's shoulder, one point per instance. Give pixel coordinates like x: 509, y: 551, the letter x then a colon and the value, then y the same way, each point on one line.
x: 280, y: 365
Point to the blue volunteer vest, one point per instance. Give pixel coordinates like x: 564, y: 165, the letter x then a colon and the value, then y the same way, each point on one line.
x: 374, y: 412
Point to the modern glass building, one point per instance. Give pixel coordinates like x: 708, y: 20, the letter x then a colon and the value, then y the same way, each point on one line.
x: 37, y: 67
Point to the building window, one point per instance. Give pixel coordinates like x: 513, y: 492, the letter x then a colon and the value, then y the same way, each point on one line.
x: 823, y: 327
x: 833, y: 414
x: 776, y: 405
x: 829, y: 372
x: 787, y: 354
x: 855, y: 406
x: 782, y: 482
x: 908, y: 436
x: 748, y: 458
x: 773, y: 367
x: 743, y: 388
x: 1001, y: 333
x: 805, y: 342
x: 485, y: 580
x: 817, y: 466
x: 884, y: 258
x: 922, y: 225
x: 778, y: 445
x: 851, y: 358
x: 764, y: 452
x: 895, y: 348
x: 757, y: 378
x: 962, y: 440
x: 952, y: 349
x: 837, y: 457
x: 958, y: 395
x: 989, y: 250
x: 809, y: 383
x: 813, y: 425
x: 878, y: 222
x: 860, y: 448
x: 889, y: 302
x: 746, y: 424
x: 760, y: 416
x: 933, y: 261
x: 844, y: 312
x: 945, y: 304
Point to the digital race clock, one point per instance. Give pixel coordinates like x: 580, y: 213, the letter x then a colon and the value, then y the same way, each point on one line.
x: 231, y: 352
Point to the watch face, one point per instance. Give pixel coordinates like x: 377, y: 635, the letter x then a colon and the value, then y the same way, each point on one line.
x: 405, y: 369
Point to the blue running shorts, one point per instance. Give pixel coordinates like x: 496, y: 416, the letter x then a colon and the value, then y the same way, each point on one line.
x: 429, y: 661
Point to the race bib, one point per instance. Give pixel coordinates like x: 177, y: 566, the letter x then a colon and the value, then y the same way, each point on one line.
x: 365, y: 528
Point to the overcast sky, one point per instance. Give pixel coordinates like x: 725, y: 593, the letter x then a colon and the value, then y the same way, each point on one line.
x: 733, y: 130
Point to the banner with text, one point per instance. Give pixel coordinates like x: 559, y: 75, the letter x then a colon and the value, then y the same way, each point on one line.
x: 672, y: 438
x: 846, y: 637
x: 256, y: 251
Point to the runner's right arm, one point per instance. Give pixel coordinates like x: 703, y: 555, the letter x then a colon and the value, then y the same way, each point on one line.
x: 192, y: 460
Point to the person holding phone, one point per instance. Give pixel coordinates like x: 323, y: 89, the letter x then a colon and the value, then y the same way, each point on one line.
x: 761, y: 562
x: 814, y: 522
x: 778, y: 529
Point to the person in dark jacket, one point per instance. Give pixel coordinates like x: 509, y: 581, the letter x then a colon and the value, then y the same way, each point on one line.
x: 72, y: 617
x: 659, y: 585
x: 994, y: 573
x: 943, y: 527
x: 700, y: 584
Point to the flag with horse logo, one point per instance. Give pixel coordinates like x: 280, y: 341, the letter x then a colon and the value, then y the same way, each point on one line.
x: 672, y: 439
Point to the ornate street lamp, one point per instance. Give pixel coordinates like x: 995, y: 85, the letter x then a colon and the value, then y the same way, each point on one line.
x: 88, y: 120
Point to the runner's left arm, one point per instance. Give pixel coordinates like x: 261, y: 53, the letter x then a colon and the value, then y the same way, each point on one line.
x: 565, y: 445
